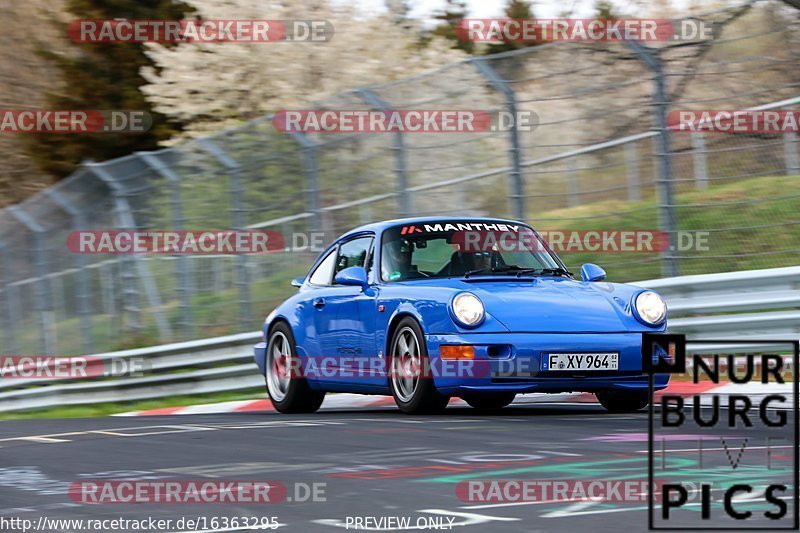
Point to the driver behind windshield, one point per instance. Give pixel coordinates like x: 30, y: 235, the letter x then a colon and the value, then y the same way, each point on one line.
x: 461, y: 253
x: 396, y: 260
x: 463, y: 261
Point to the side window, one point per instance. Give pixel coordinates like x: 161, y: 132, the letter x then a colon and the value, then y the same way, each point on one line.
x: 353, y: 253
x: 323, y: 274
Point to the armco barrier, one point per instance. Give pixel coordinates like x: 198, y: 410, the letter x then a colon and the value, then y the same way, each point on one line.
x: 745, y: 305
x: 755, y: 304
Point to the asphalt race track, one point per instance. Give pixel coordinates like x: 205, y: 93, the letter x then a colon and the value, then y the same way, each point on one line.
x: 373, y: 463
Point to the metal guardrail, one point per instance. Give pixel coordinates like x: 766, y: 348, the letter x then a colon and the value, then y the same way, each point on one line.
x: 745, y: 305
x: 755, y: 304
x: 177, y: 369
x: 254, y: 176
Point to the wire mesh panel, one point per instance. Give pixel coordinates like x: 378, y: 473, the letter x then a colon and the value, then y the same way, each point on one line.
x: 443, y: 156
x: 589, y: 152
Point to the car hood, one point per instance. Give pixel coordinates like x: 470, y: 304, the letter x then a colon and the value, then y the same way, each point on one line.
x: 558, y: 305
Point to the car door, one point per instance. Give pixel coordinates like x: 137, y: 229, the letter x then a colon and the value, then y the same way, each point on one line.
x: 317, y: 318
x: 353, y: 310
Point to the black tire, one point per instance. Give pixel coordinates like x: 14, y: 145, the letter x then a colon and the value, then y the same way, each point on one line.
x: 490, y: 401
x: 419, y: 396
x: 623, y: 401
x: 293, y: 395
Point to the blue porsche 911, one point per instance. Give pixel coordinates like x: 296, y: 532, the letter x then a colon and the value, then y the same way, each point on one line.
x: 426, y: 309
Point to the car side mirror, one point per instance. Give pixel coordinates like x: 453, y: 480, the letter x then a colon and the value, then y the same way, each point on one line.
x: 354, y: 275
x: 298, y: 282
x: 592, y: 272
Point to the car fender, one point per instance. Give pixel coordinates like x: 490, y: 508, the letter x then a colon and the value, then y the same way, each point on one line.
x: 289, y: 313
x: 432, y: 314
x: 403, y: 308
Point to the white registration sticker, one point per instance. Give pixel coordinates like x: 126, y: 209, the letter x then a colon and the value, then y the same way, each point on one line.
x: 581, y: 361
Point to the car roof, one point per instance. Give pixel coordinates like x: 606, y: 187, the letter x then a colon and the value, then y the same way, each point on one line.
x: 378, y: 227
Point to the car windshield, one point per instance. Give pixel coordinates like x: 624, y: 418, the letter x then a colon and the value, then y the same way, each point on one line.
x: 463, y: 249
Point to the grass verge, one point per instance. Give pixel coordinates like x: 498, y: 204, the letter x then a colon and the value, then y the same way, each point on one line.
x: 106, y: 409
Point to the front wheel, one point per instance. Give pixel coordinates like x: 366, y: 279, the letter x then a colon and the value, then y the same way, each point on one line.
x: 410, y: 379
x: 623, y: 401
x: 490, y: 401
x: 288, y: 391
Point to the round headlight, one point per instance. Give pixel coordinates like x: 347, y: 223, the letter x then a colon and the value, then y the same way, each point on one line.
x: 650, y: 307
x: 468, y: 309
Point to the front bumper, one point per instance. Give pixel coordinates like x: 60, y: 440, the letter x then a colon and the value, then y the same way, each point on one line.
x: 511, y: 362
x: 260, y: 355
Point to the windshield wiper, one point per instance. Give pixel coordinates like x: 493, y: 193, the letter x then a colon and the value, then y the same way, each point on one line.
x: 488, y: 270
x: 519, y: 271
x: 558, y: 271
x: 497, y: 269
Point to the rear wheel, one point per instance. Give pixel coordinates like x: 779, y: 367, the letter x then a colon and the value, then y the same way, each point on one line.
x: 623, y: 401
x: 289, y: 392
x: 409, y: 371
x: 490, y: 402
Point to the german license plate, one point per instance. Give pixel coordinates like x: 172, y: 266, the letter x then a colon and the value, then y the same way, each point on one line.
x: 581, y: 361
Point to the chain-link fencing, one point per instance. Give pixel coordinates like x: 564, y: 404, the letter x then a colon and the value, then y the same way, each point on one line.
x: 600, y: 158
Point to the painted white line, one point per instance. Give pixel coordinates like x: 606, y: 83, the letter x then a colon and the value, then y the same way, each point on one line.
x: 570, y: 510
x: 577, y: 503
x: 44, y: 439
x: 347, y: 401
x: 556, y: 514
x: 167, y: 431
x: 517, y: 504
x: 628, y: 509
x: 210, y: 408
x: 35, y: 438
x: 716, y: 449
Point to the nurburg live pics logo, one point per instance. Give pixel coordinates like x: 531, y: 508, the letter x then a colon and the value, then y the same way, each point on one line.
x: 750, y: 481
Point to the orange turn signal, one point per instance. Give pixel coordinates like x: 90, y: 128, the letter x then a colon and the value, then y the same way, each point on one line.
x: 457, y: 352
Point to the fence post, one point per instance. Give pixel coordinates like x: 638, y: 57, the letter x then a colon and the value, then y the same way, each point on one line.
x: 105, y: 273
x: 184, y: 271
x: 309, y: 153
x: 632, y: 173
x: 790, y: 142
x: 700, y: 160
x: 364, y: 214
x: 126, y: 221
x: 84, y: 307
x: 286, y: 256
x: 573, y: 189
x: 666, y: 204
x: 11, y: 298
x: 516, y: 193
x: 399, y: 148
x: 235, y: 174
x: 42, y: 293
